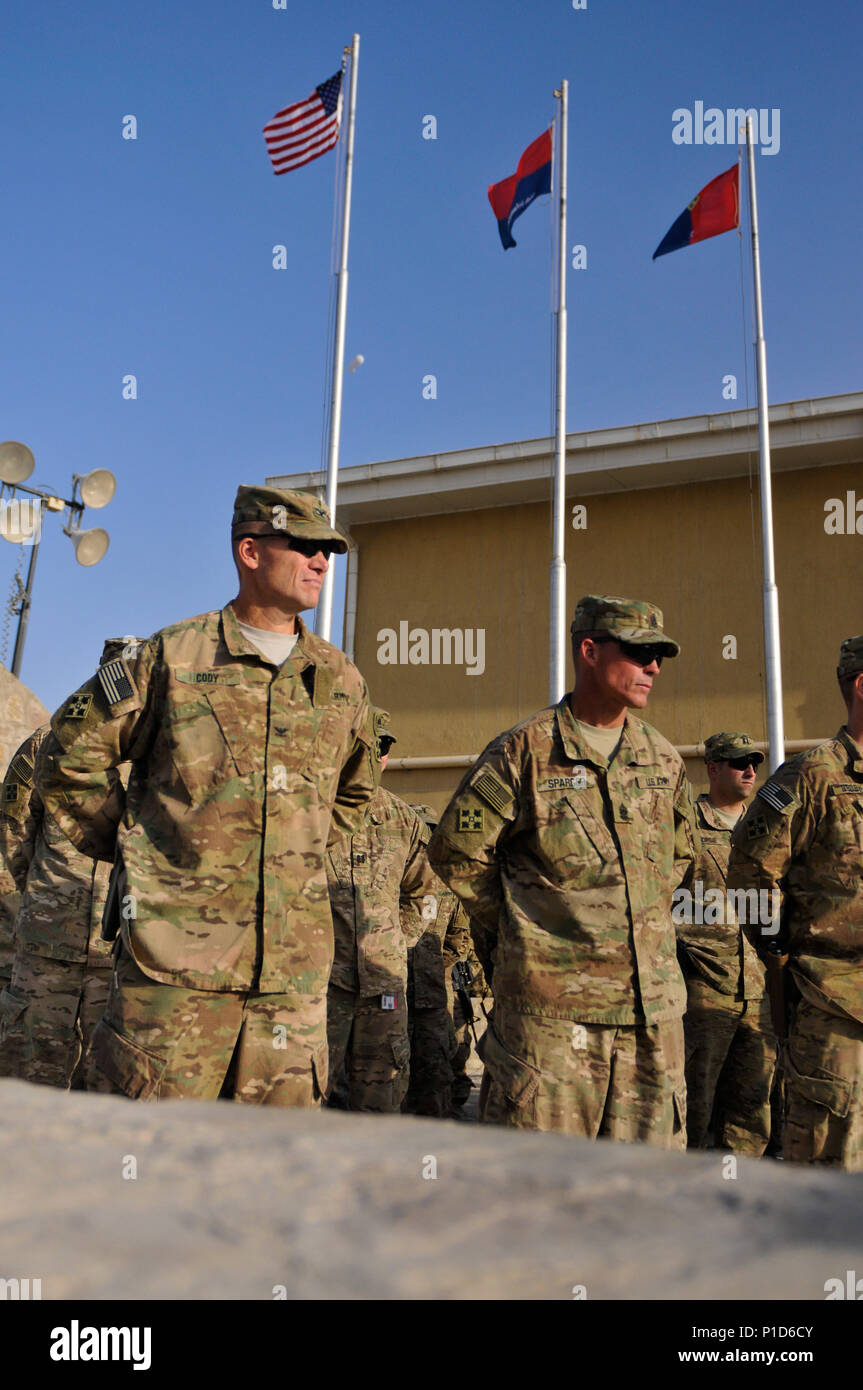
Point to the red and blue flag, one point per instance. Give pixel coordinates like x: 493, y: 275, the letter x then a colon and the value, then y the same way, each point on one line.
x: 532, y: 178
x: 715, y: 209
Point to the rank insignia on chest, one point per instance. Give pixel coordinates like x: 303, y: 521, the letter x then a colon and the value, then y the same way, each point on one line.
x: 78, y: 707
x: 756, y: 829
x: 471, y: 820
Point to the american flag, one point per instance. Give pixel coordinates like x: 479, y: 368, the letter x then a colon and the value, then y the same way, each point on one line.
x: 301, y: 132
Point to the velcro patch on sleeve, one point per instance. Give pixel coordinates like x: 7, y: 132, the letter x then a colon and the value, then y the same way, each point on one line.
x: 77, y: 706
x: 470, y: 820
x: 22, y: 769
x: 12, y: 793
x: 756, y: 828
x: 115, y: 678
x: 493, y: 790
x: 778, y: 798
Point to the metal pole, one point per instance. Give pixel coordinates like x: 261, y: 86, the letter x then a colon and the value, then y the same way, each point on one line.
x: 24, y: 613
x: 557, y: 635
x: 324, y: 620
x: 772, y: 657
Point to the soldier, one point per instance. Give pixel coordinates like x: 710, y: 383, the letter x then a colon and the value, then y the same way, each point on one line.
x: 380, y: 884
x: 430, y: 996
x: 469, y: 1024
x: 251, y: 743
x: 62, y: 966
x: 803, y: 838
x: 730, y: 1044
x: 565, y: 842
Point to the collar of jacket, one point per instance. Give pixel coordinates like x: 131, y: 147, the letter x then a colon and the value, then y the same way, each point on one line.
x: 579, y: 751
x: 238, y: 645
x: 707, y: 810
x: 855, y: 758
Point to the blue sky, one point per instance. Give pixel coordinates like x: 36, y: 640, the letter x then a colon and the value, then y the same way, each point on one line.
x: 154, y: 256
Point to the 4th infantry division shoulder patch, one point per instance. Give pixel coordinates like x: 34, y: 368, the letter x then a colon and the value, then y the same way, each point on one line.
x: 757, y: 828
x: 77, y: 707
x: 471, y: 820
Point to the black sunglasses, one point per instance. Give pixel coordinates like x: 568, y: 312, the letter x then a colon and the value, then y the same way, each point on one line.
x: 741, y: 764
x: 642, y: 653
x: 309, y: 548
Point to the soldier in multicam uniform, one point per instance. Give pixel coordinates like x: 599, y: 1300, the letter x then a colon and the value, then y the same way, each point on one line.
x: 469, y: 1023
x: 803, y: 836
x: 62, y: 966
x: 730, y: 1043
x: 430, y: 996
x: 251, y: 745
x: 565, y: 842
x: 380, y: 884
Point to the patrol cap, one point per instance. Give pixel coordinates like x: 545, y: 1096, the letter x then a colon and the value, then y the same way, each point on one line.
x: 426, y: 813
x: 850, y: 657
x: 627, y: 619
x: 120, y: 646
x: 381, y: 721
x: 272, y: 511
x: 721, y: 747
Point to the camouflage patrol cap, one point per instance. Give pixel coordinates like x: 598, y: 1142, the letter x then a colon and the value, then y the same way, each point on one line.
x: 627, y: 619
x: 120, y: 646
x: 426, y: 813
x: 381, y: 721
x: 850, y: 657
x: 720, y: 747
x: 271, y: 511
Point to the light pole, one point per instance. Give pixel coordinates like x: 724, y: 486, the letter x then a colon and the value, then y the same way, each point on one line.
x: 21, y: 522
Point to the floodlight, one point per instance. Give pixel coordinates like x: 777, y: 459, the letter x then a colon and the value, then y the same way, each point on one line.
x: 90, y: 546
x: 16, y: 462
x: 97, y: 488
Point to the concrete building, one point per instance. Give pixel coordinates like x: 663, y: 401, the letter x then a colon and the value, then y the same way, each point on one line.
x: 446, y: 609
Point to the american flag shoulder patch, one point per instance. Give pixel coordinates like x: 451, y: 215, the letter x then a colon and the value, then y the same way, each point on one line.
x: 493, y: 790
x: 778, y: 797
x: 22, y: 769
x: 116, y: 682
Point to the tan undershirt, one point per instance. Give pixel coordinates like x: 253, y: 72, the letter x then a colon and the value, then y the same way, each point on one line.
x: 275, y: 646
x: 727, y: 818
x: 603, y: 741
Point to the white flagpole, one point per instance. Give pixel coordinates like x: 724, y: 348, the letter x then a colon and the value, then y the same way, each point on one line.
x: 324, y: 615
x: 772, y: 657
x: 557, y: 635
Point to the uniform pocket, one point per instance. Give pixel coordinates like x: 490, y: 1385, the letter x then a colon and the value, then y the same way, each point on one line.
x: 830, y: 1092
x: 135, y: 1071
x: 517, y: 1081
x: 12, y: 1007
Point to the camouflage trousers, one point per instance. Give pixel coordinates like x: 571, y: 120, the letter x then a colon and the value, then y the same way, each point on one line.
x: 432, y: 1045
x: 730, y: 1064
x: 48, y: 1013
x: 466, y: 1047
x: 824, y: 1089
x: 159, y: 1042
x: 622, y: 1082
x: 369, y: 1052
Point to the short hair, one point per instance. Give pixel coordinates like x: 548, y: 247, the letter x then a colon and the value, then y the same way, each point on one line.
x: 846, y: 685
x: 579, y: 637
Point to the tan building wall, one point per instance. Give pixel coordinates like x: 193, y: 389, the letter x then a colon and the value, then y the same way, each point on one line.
x: 694, y: 549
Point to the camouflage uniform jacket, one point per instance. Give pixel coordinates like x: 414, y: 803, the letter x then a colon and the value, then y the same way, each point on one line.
x: 445, y: 940
x: 379, y: 879
x: 62, y: 890
x: 568, y: 866
x: 803, y: 836
x: 240, y: 771
x: 717, y: 952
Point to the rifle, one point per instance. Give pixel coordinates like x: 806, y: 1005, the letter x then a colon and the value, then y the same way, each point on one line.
x: 462, y: 983
x: 776, y: 961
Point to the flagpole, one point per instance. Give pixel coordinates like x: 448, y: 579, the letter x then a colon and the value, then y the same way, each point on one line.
x: 324, y: 615
x: 772, y: 656
x: 557, y: 636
